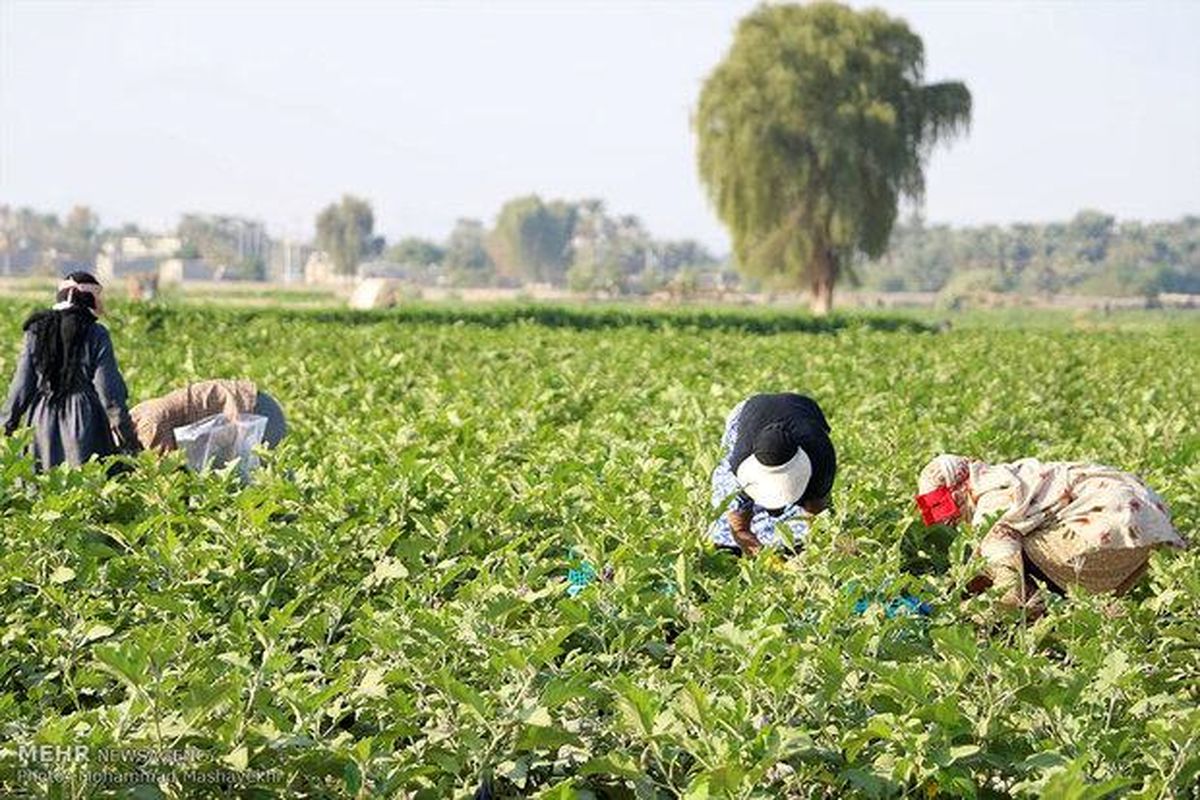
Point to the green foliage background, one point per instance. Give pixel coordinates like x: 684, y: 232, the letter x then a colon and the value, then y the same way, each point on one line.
x: 383, y: 613
x: 1090, y: 254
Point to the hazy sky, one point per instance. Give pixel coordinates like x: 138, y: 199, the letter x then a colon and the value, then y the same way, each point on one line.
x: 439, y: 110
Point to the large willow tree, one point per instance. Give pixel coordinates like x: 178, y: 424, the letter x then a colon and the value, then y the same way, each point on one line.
x: 810, y: 131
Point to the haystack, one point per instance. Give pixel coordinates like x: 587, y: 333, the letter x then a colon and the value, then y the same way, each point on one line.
x: 375, y: 293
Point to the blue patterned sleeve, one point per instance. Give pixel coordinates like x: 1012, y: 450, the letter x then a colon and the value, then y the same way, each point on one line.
x: 724, y: 482
x: 725, y: 488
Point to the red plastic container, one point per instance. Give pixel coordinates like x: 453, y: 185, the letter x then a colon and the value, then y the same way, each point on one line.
x: 937, y: 506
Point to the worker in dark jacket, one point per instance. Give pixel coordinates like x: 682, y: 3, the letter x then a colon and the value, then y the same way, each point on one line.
x: 68, y: 387
x: 778, y: 468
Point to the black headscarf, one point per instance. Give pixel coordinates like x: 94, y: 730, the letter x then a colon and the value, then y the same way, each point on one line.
x: 58, y: 338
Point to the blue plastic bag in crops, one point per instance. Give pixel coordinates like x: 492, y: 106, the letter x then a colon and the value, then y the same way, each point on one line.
x: 905, y: 604
x: 579, y: 577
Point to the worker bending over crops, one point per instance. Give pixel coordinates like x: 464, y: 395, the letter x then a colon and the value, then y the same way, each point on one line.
x: 156, y: 420
x: 778, y: 467
x: 1071, y: 524
x: 67, y: 385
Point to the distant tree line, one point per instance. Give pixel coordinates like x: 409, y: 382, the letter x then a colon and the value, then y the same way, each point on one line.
x: 565, y: 243
x: 30, y: 238
x: 37, y: 242
x: 579, y: 245
x: 238, y: 246
x: 1091, y: 254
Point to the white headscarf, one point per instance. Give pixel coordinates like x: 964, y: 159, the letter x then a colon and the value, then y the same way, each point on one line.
x: 71, y: 287
x: 945, y: 470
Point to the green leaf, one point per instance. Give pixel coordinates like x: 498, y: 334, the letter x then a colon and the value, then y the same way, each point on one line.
x: 956, y: 641
x: 959, y: 752
x: 62, y: 574
x: 387, y: 569
x: 1116, y: 667
x: 372, y: 685
x: 545, y: 738
x: 617, y: 765
x: 464, y: 694
x: 238, y: 758
x: 126, y: 661
x: 697, y: 789
x: 638, y: 707
x: 352, y: 777
x: 98, y: 631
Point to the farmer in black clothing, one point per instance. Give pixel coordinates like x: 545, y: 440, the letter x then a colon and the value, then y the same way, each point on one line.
x: 778, y: 467
x: 67, y: 385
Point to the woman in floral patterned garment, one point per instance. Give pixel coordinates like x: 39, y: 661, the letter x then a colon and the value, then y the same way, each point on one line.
x: 1077, y: 524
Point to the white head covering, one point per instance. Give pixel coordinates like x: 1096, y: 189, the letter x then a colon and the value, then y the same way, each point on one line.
x: 778, y: 486
x: 71, y: 287
x: 945, y: 470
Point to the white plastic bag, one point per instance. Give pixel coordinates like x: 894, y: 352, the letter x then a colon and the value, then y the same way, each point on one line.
x: 215, y: 441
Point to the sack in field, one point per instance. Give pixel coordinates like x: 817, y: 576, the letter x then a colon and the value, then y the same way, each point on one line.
x: 215, y: 441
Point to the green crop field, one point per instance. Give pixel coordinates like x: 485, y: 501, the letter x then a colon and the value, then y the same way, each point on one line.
x: 384, y: 612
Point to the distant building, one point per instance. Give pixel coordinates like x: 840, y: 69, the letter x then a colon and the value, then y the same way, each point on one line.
x: 112, y: 266
x: 286, y: 261
x: 26, y: 260
x: 136, y: 256
x: 238, y: 238
x: 149, y: 246
x: 180, y: 270
x: 65, y: 265
x: 318, y: 268
x: 388, y: 269
x: 20, y: 261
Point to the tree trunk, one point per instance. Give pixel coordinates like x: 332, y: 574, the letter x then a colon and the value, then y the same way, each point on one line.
x: 822, y: 298
x: 824, y: 271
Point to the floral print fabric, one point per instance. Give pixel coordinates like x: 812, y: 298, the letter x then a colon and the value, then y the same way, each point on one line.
x: 1079, y: 511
